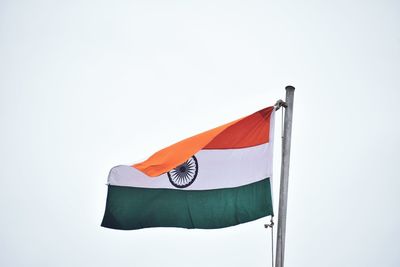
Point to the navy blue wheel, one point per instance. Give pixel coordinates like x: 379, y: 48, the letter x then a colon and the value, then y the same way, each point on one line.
x: 184, y: 175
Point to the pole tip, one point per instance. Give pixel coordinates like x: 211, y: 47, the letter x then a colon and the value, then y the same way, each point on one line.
x: 289, y: 87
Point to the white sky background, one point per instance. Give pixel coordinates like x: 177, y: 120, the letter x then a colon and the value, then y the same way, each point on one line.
x: 87, y: 85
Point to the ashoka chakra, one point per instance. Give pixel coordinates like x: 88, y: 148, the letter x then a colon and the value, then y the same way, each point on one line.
x: 185, y: 174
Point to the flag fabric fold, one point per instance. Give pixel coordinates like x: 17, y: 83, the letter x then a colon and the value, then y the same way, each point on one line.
x: 218, y: 178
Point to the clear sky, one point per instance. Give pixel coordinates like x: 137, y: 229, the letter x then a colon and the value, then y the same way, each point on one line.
x: 87, y: 85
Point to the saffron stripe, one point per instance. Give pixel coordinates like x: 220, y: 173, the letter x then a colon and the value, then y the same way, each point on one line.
x: 249, y: 131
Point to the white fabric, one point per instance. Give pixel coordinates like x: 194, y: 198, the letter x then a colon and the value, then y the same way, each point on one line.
x: 217, y: 168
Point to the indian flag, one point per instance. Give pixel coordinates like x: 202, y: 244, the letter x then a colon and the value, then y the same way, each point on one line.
x: 218, y: 178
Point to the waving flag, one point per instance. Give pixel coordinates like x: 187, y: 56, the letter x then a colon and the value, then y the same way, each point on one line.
x: 218, y: 178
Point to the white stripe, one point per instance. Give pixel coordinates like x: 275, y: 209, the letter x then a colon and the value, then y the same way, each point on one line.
x: 217, y: 168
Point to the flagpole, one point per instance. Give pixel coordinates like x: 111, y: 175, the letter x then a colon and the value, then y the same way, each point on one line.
x: 283, y: 190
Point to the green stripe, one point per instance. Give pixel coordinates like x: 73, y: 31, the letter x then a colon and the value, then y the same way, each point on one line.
x: 130, y: 208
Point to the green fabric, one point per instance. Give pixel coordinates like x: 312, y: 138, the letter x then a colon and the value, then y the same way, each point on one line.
x: 130, y: 208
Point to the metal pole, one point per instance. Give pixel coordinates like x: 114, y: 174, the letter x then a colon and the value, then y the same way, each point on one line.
x: 283, y: 190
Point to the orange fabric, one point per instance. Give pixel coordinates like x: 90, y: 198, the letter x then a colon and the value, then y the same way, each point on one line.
x: 248, y: 131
